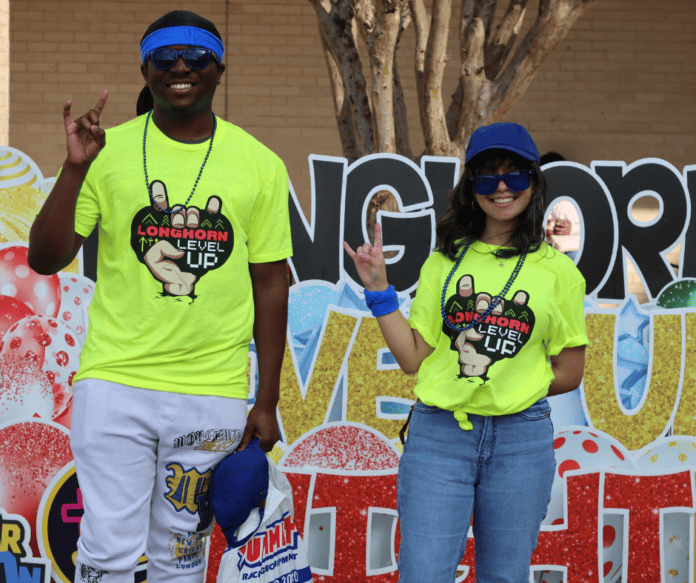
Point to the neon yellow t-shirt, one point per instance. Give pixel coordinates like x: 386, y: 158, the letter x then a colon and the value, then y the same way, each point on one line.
x: 173, y: 307
x: 504, y: 368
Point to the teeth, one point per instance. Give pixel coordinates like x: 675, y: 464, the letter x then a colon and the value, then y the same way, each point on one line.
x: 503, y: 200
x: 181, y: 86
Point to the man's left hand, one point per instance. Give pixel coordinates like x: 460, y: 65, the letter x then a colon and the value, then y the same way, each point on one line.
x: 262, y: 423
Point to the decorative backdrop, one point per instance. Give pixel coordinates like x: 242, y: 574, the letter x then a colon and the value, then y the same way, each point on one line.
x: 623, y: 502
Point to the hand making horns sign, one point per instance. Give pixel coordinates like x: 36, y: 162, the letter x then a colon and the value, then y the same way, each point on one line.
x: 85, y: 139
x: 369, y: 261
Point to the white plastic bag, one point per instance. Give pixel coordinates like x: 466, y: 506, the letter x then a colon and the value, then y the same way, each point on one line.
x: 276, y: 553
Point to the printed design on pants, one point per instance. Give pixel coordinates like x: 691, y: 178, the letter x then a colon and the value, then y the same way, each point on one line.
x: 179, y: 248
x: 214, y: 440
x: 188, y: 491
x: 186, y: 549
x: 90, y: 574
x: 501, y: 335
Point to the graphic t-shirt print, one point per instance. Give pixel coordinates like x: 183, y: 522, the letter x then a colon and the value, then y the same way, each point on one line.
x: 501, y: 335
x: 179, y: 248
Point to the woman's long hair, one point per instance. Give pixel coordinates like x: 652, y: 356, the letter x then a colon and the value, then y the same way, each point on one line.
x: 465, y: 221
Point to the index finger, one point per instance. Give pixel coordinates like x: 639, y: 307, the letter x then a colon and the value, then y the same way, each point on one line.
x: 66, y: 111
x: 102, y: 101
x: 378, y: 237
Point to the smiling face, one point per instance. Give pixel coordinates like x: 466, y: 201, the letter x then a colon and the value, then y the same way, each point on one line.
x: 182, y: 89
x: 504, y: 206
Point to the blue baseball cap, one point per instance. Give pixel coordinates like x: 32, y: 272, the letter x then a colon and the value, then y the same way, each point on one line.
x: 239, y: 485
x: 502, y: 136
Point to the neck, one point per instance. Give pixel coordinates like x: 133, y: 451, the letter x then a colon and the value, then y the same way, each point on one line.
x: 496, y: 233
x: 184, y: 126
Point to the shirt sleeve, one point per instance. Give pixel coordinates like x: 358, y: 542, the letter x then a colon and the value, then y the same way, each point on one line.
x: 87, y: 208
x: 568, y: 329
x: 269, y: 229
x: 425, y: 314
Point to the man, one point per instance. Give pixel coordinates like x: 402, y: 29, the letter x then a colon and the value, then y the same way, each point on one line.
x: 193, y: 236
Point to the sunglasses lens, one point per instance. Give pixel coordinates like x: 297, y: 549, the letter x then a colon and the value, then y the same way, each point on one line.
x: 197, y: 58
x: 518, y: 181
x: 164, y: 59
x: 486, y: 184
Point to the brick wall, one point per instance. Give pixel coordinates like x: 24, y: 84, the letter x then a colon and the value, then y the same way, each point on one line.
x: 4, y: 71
x: 620, y: 86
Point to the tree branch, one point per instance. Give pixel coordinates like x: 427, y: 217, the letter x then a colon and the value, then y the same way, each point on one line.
x: 485, y: 10
x: 381, y: 46
x: 421, y: 23
x: 437, y: 140
x: 553, y: 21
x: 337, y: 25
x: 403, y: 142
x: 346, y: 130
x: 473, y: 80
x: 498, y: 48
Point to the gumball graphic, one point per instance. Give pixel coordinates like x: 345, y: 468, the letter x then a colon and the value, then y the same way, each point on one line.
x: 56, y: 350
x: 671, y: 453
x: 41, y: 293
x: 679, y: 294
x: 11, y: 311
x: 31, y: 454
x: 25, y: 391
x: 576, y: 448
x: 352, y: 509
x: 76, y: 294
x: 342, y: 447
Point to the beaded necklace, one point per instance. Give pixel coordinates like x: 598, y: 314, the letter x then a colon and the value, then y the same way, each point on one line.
x: 147, y: 180
x: 478, y: 318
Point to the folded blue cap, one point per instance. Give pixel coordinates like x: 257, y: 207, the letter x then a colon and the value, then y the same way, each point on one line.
x: 238, y: 485
x: 504, y: 136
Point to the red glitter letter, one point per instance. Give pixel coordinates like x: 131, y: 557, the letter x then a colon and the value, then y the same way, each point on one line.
x: 643, y: 497
x: 577, y: 546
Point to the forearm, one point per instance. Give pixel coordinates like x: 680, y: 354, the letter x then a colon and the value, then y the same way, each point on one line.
x: 270, y: 326
x: 401, y: 340
x: 52, y: 238
x: 568, y: 368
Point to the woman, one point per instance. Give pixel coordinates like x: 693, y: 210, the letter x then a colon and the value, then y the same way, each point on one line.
x: 480, y: 440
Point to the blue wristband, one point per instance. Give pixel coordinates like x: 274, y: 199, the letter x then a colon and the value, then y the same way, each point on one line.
x: 382, y: 303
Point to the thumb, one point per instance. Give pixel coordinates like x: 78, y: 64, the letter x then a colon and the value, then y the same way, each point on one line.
x: 247, y: 437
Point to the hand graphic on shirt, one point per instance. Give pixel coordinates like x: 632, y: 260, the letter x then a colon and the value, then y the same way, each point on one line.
x: 473, y: 360
x: 182, y: 246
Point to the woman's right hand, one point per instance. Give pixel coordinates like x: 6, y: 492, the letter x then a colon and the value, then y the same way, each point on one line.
x: 85, y: 139
x: 369, y: 261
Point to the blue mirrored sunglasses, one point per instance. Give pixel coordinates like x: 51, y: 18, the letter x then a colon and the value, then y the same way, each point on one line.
x: 516, y: 181
x: 164, y: 59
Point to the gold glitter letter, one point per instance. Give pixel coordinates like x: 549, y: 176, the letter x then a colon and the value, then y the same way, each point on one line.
x: 366, y: 383
x: 300, y: 414
x: 634, y: 431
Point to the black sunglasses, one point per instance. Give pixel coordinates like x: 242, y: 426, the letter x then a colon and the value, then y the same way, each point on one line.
x: 516, y: 181
x: 164, y: 59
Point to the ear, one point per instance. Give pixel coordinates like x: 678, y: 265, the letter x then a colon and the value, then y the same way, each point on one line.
x: 143, y: 70
x: 220, y: 71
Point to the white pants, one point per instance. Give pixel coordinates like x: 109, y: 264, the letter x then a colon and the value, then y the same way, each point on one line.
x: 144, y: 460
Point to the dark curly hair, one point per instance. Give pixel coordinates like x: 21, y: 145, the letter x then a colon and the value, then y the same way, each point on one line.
x: 465, y: 221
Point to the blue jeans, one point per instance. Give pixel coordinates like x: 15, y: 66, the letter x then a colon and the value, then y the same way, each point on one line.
x: 501, y: 471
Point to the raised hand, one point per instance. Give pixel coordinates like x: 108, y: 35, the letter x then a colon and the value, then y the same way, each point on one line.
x: 85, y: 139
x: 369, y: 261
